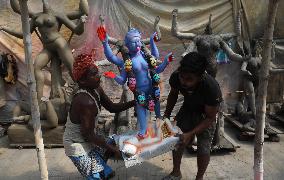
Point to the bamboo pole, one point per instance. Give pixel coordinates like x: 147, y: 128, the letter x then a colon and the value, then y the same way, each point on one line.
x: 32, y: 86
x: 262, y: 90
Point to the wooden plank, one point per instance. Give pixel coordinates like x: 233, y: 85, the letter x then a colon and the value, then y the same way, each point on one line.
x: 273, y: 130
x: 271, y: 133
x: 276, y: 117
x: 12, y: 145
x: 233, y: 121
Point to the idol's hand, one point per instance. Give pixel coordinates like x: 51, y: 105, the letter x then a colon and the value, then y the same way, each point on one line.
x: 170, y: 57
x: 247, y: 57
x: 101, y: 31
x: 110, y: 74
x: 175, y: 12
x: 83, y: 18
x: 155, y: 37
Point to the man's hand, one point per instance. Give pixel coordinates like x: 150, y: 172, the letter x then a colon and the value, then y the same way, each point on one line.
x: 117, y: 153
x: 110, y: 74
x: 155, y: 37
x: 185, y: 138
x: 170, y: 57
x: 101, y: 31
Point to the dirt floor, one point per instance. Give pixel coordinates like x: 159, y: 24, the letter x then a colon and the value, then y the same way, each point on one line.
x: 22, y: 164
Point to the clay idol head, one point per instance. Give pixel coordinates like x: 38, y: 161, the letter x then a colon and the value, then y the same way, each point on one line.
x: 133, y: 40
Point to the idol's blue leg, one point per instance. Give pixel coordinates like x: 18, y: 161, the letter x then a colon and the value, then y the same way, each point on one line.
x: 142, y: 119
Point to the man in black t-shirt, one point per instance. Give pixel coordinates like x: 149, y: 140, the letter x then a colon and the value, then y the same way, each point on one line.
x: 197, y: 116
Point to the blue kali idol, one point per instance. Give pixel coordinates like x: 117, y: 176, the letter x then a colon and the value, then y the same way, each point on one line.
x: 140, y: 71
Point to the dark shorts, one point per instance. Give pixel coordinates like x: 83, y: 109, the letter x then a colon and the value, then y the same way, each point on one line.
x: 187, y: 121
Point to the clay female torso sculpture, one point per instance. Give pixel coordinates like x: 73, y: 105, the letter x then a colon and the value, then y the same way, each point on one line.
x: 55, y: 47
x: 47, y: 25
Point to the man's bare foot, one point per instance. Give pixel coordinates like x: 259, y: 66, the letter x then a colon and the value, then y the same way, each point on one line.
x: 173, y: 176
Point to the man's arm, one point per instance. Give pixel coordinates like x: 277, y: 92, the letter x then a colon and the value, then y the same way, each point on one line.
x: 171, y: 102
x: 210, y: 117
x: 87, y: 114
x: 114, y: 107
x: 210, y: 113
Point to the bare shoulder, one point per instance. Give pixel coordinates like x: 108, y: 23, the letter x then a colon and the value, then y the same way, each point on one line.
x: 82, y: 100
x: 100, y: 91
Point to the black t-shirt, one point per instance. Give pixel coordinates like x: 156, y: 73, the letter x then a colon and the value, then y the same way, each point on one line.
x: 207, y: 92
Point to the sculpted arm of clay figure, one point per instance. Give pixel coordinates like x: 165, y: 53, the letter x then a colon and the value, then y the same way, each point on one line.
x: 175, y: 29
x: 16, y: 8
x: 83, y: 10
x: 169, y: 58
x: 77, y: 29
x: 171, y: 102
x: 17, y: 33
x: 119, y: 79
x: 114, y: 107
x: 87, y: 114
x: 107, y: 49
x: 231, y: 54
x: 244, y: 68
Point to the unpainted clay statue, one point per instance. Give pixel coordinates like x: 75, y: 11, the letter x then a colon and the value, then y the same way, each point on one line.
x: 206, y: 44
x: 47, y: 25
x: 55, y: 48
x: 250, y: 70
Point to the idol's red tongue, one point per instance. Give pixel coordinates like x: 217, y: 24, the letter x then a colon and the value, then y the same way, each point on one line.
x: 138, y: 48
